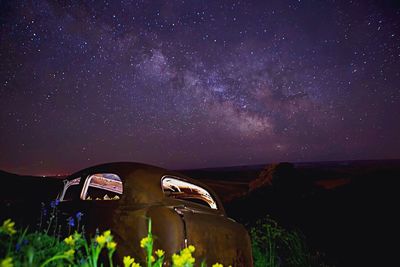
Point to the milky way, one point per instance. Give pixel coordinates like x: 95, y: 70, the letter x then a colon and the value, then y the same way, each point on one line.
x: 185, y: 84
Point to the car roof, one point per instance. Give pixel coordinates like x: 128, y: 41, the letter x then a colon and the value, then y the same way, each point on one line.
x: 142, y: 182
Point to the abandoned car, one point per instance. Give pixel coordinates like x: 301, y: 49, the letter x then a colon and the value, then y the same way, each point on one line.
x: 122, y: 196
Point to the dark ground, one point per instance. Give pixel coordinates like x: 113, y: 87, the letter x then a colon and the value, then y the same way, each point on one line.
x: 346, y: 210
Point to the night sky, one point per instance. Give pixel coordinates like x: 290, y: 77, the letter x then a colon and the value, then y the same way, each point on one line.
x: 188, y: 84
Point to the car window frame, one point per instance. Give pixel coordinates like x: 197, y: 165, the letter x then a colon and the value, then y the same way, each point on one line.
x: 84, y: 185
x: 216, y: 206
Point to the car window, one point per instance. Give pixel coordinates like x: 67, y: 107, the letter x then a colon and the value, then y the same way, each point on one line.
x: 71, y: 189
x: 102, y: 186
x: 176, y: 188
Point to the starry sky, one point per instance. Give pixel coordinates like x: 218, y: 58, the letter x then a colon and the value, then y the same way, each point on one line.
x: 190, y: 84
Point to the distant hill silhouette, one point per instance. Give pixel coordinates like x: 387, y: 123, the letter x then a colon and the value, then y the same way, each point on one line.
x: 14, y: 186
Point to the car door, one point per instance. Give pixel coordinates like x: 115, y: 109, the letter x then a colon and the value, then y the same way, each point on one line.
x: 216, y: 237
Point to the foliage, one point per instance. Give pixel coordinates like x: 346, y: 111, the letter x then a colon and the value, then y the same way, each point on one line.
x: 275, y: 246
x: 156, y: 258
x: 272, y: 246
x: 45, y: 247
x: 42, y: 249
x: 147, y: 244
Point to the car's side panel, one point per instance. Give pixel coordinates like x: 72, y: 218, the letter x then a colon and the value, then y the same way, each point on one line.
x: 217, y: 239
x: 129, y: 225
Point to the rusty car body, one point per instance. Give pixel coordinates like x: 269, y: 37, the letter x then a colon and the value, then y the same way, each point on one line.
x: 122, y: 196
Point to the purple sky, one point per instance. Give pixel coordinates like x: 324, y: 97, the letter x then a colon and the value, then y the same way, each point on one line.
x: 187, y: 84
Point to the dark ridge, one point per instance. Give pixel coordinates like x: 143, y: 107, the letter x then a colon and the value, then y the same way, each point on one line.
x: 22, y: 187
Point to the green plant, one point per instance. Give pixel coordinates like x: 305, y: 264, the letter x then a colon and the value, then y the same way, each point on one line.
x: 147, y: 244
x: 39, y: 248
x: 265, y: 237
x: 182, y: 259
x: 42, y: 249
x: 274, y: 246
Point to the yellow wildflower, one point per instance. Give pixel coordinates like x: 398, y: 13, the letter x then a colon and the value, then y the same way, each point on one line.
x: 177, y: 260
x: 77, y: 236
x: 70, y: 241
x: 218, y: 265
x: 8, y: 227
x: 7, y: 262
x: 160, y: 253
x: 186, y: 254
x: 101, y: 240
x: 69, y: 253
x: 144, y: 242
x: 130, y: 262
x: 108, y: 236
x: 184, y: 258
x: 111, y: 245
x: 191, y: 248
x: 107, y: 233
x: 190, y: 259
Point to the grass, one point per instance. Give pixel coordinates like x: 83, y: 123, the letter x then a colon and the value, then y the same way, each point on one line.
x: 275, y: 246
